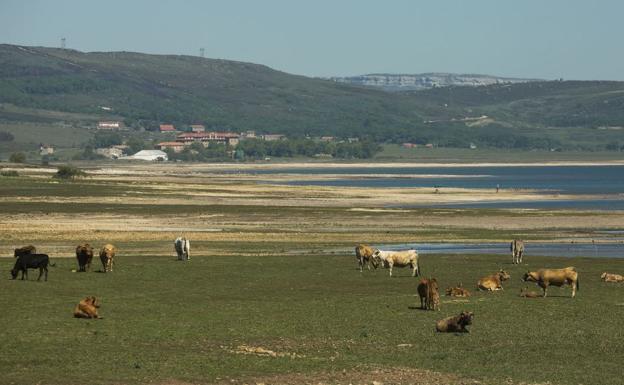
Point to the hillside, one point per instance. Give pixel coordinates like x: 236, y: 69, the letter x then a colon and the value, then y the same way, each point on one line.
x: 63, y: 92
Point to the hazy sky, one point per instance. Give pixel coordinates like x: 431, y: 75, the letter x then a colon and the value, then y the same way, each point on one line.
x: 573, y: 39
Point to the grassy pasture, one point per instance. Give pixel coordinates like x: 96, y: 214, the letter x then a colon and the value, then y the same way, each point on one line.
x: 167, y: 320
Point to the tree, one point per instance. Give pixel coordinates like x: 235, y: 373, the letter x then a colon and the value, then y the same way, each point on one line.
x: 69, y: 172
x: 135, y: 145
x: 17, y: 157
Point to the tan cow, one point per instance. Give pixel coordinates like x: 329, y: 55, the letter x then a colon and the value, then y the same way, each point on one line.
x: 429, y: 294
x: 494, y: 281
x: 87, y: 308
x: 398, y: 258
x: 457, y: 291
x: 608, y: 277
x: 554, y: 277
x: 107, y: 255
x: 364, y: 254
x: 455, y: 324
x: 517, y: 251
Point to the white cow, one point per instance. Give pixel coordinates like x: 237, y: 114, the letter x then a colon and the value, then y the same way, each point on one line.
x: 183, y: 248
x: 400, y: 258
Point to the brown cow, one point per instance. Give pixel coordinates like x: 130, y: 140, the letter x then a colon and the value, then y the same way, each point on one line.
x: 429, y: 294
x: 554, y: 277
x: 494, y: 281
x: 87, y: 308
x: 26, y: 250
x: 457, y: 291
x: 608, y: 277
x: 84, y: 254
x: 364, y: 254
x: 106, y: 256
x: 455, y: 324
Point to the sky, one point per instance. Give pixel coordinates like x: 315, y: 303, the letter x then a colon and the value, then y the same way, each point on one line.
x: 547, y: 39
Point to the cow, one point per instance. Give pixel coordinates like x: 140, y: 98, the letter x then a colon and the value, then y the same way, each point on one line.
x: 457, y: 291
x: 429, y: 294
x: 84, y: 255
x: 494, y: 281
x: 554, y: 277
x: 455, y: 324
x: 87, y: 308
x: 399, y: 259
x: 364, y: 254
x: 608, y: 277
x: 31, y: 261
x: 526, y: 293
x: 106, y: 256
x: 30, y: 249
x: 183, y: 248
x: 517, y: 250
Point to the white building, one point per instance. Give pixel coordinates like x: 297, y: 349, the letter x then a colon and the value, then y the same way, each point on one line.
x: 149, y: 155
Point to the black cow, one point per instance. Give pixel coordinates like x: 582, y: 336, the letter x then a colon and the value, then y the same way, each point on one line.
x: 31, y: 261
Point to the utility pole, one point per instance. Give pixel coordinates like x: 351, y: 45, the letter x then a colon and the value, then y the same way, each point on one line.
x: 62, y: 43
x: 202, y: 51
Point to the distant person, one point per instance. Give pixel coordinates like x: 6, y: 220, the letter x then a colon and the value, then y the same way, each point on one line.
x: 497, y: 187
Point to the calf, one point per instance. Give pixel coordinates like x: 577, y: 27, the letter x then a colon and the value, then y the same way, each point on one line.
x: 608, y: 277
x: 107, y: 255
x: 87, y: 308
x: 399, y: 259
x: 526, y: 293
x: 455, y: 324
x: 494, y: 281
x: 429, y: 294
x: 457, y: 291
x: 31, y: 261
x: 364, y: 254
x: 30, y: 249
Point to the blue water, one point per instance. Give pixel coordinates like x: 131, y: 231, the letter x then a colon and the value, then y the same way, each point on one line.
x: 567, y: 249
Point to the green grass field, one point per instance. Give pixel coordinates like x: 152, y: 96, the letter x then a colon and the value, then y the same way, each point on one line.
x: 166, y: 320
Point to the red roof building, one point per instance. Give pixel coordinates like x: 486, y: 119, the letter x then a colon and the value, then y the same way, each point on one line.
x: 167, y: 128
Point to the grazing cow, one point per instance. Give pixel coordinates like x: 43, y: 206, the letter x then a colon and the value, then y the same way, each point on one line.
x: 364, y: 254
x: 399, y: 259
x: 87, y: 308
x: 84, y: 254
x: 608, y: 277
x: 429, y: 294
x: 554, y: 277
x: 30, y: 249
x: 457, y: 291
x: 455, y: 324
x: 106, y: 256
x: 494, y: 281
x: 182, y: 248
x: 517, y: 250
x: 526, y: 293
x: 31, y: 261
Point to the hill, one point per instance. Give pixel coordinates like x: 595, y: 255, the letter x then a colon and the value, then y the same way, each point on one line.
x: 64, y: 92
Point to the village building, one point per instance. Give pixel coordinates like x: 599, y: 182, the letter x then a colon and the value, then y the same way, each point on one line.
x: 177, y: 147
x: 110, y: 152
x: 110, y: 125
x: 45, y: 149
x: 206, y: 138
x: 409, y: 145
x: 167, y: 128
x: 327, y: 138
x: 198, y: 128
x: 273, y: 137
x: 149, y: 155
x: 248, y: 135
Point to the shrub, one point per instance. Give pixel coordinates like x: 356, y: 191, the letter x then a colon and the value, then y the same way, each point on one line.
x: 9, y: 173
x: 69, y: 172
x: 6, y: 136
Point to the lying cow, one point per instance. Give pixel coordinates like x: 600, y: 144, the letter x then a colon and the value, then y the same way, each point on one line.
x: 429, y: 294
x: 364, y: 254
x: 31, y: 261
x: 526, y: 293
x: 183, y: 248
x: 554, y: 277
x: 608, y: 277
x: 399, y: 259
x: 517, y: 250
x: 455, y: 324
x: 84, y: 255
x: 457, y: 291
x: 30, y: 249
x: 87, y: 308
x: 106, y: 256
x: 494, y: 281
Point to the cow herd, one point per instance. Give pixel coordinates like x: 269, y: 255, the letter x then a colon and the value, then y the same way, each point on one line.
x: 428, y: 290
